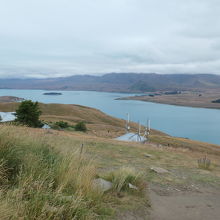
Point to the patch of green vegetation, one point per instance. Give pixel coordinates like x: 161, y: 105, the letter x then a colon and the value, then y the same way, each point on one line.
x: 81, y: 126
x: 62, y: 124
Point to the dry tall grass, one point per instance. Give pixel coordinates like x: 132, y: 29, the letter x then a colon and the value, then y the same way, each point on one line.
x: 37, y: 182
x: 124, y: 176
x: 41, y: 178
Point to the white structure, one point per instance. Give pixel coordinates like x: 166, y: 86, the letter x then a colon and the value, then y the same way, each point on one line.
x: 135, y: 137
x: 7, y: 116
x: 131, y: 137
x: 45, y: 126
x: 127, y: 123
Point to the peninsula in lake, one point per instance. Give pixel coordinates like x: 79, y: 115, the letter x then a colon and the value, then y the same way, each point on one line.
x: 200, y: 99
x: 10, y: 99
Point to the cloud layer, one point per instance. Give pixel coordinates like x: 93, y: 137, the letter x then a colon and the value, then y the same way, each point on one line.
x: 48, y: 38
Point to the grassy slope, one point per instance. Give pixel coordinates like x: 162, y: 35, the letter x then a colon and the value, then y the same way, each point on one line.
x: 111, y: 155
x: 180, y: 158
x: 44, y: 176
x: 98, y: 123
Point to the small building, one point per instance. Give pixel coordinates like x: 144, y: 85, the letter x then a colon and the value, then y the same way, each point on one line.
x: 132, y: 137
x: 7, y: 116
x: 46, y: 126
x: 135, y: 137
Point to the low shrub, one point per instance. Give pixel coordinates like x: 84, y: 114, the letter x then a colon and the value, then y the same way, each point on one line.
x: 81, y: 126
x: 62, y: 124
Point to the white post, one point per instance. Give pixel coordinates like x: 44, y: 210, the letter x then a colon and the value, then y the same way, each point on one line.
x: 139, y: 129
x: 148, y: 125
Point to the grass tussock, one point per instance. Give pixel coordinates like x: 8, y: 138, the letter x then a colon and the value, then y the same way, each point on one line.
x: 124, y: 176
x: 37, y: 182
x: 204, y: 163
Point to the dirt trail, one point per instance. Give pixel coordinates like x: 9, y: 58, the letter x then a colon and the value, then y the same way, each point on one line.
x: 172, y: 204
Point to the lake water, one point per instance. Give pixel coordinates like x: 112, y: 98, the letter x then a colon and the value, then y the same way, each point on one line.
x: 194, y: 123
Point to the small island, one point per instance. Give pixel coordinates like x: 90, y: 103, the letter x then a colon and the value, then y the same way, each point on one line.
x: 52, y: 93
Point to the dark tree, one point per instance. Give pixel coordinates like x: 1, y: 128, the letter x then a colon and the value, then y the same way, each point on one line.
x: 28, y: 113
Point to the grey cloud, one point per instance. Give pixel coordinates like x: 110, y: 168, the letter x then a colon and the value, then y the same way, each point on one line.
x: 47, y: 38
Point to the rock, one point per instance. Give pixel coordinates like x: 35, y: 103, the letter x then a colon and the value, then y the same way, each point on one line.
x: 148, y: 155
x: 204, y: 171
x: 132, y: 186
x: 159, y: 145
x: 102, y: 184
x: 159, y: 170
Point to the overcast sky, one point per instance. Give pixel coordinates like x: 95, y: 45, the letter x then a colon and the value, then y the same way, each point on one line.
x: 47, y: 38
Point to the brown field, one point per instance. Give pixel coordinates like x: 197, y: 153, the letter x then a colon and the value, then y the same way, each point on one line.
x: 98, y: 123
x: 201, y: 99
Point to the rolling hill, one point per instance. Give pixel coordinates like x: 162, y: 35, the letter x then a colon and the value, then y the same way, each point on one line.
x: 118, y: 82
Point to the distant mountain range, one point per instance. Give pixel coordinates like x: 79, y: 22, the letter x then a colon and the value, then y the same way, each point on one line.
x: 118, y: 82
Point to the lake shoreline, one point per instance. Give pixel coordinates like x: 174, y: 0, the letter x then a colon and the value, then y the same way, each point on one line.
x: 8, y: 99
x: 195, y: 123
x: 185, y: 100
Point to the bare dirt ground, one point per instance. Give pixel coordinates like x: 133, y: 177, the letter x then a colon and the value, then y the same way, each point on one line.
x: 174, y: 204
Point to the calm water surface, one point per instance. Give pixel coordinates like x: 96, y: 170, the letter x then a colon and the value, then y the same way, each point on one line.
x: 194, y: 123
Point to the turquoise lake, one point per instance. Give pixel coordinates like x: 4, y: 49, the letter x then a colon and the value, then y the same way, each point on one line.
x: 194, y: 123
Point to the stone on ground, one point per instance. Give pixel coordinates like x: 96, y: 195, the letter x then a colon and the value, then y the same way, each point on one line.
x: 159, y: 170
x: 102, y: 184
x: 132, y: 186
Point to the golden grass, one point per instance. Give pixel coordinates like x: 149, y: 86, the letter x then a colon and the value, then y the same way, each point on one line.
x: 65, y: 188
x: 184, y: 143
x: 97, y: 122
x: 55, y: 170
x: 42, y: 178
x: 124, y: 176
